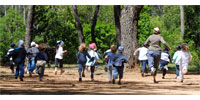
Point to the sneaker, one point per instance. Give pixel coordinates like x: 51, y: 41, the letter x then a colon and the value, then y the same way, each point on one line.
x: 181, y: 80
x: 178, y: 77
x: 166, y: 67
x: 153, y: 70
x: 163, y: 77
x: 40, y: 79
x: 92, y: 79
x: 154, y: 81
x: 113, y: 81
x: 21, y: 79
x: 119, y: 83
x: 80, y: 79
x: 83, y: 75
x: 62, y: 72
x: 142, y: 74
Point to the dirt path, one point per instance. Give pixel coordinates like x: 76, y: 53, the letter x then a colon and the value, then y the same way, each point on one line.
x: 67, y: 83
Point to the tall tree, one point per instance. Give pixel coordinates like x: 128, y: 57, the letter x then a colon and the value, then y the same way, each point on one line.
x: 129, y: 30
x: 94, y: 21
x: 5, y: 12
x: 78, y: 24
x: 29, y: 26
x: 117, y: 11
x: 24, y: 13
x: 182, y: 22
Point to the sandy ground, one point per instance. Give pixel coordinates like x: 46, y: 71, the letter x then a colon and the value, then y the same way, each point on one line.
x: 67, y: 84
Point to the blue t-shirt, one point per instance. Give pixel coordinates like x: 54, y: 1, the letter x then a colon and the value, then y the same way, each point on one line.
x: 110, y: 56
x: 119, y: 59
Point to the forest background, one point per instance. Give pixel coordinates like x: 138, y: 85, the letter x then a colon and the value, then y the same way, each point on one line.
x: 52, y: 23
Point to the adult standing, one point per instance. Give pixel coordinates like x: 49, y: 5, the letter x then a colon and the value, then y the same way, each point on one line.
x: 154, y: 52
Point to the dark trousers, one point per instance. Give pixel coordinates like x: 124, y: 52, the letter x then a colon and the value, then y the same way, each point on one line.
x: 144, y: 63
x: 11, y: 65
x: 162, y: 65
x: 177, y: 70
x: 92, y: 72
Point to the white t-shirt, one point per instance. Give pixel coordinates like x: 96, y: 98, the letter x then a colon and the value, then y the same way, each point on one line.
x: 11, y: 49
x: 92, y: 53
x: 165, y: 56
x: 142, y: 53
x: 184, y: 58
x: 59, y: 53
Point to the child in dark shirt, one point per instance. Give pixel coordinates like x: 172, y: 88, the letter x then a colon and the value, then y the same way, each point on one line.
x: 41, y: 60
x: 19, y: 55
x: 118, y: 63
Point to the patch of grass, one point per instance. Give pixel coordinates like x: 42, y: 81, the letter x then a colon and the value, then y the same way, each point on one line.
x: 190, y: 67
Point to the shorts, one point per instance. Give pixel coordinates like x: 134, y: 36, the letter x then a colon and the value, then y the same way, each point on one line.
x: 81, y: 67
x: 60, y: 61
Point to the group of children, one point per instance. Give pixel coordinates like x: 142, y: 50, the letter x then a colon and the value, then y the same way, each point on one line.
x: 153, y: 56
x: 87, y: 59
x: 34, y: 57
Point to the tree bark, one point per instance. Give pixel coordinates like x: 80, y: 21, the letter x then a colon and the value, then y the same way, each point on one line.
x: 29, y: 26
x: 5, y: 12
x: 117, y: 11
x: 24, y: 12
x: 129, y: 30
x: 94, y: 21
x: 78, y: 24
x: 182, y: 22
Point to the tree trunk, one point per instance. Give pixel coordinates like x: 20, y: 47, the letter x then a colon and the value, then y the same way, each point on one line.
x: 24, y: 12
x: 78, y: 24
x: 182, y: 22
x: 94, y: 21
x: 117, y: 11
x: 5, y: 12
x: 29, y: 26
x: 129, y: 30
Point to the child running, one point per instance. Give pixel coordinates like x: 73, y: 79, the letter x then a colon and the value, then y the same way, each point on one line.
x: 184, y: 58
x: 59, y: 57
x: 41, y: 60
x: 12, y: 46
x: 118, y: 63
x: 110, y: 56
x: 19, y: 55
x: 154, y: 52
x: 164, y: 60
x: 175, y: 56
x: 142, y: 57
x: 95, y: 49
x: 92, y: 62
x: 81, y: 56
x: 31, y: 54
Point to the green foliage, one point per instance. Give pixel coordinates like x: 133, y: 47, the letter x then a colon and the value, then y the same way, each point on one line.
x: 53, y: 24
x: 144, y: 25
x: 12, y: 29
x: 105, y: 35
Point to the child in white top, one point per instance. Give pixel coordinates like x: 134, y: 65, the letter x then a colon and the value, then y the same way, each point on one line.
x: 175, y: 56
x: 184, y: 58
x: 59, y: 57
x: 142, y: 57
x: 92, y: 62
